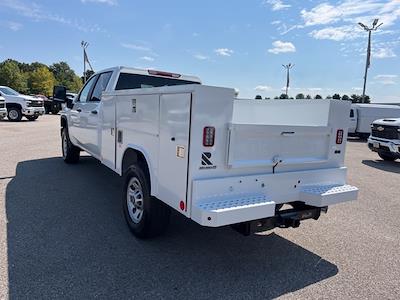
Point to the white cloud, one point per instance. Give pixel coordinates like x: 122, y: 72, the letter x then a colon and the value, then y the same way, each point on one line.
x: 383, y: 53
x: 14, y: 26
x: 136, y: 47
x: 200, y: 56
x: 277, y: 4
x: 386, y: 79
x: 262, y: 88
x: 348, y: 13
x: 314, y: 89
x: 357, y: 89
x: 340, y: 33
x: 282, y: 47
x: 147, y: 58
x: 326, y: 13
x: 224, y: 51
x: 109, y: 2
x: 37, y: 13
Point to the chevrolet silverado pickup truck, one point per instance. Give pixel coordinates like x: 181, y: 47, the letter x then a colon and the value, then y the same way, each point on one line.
x: 3, y: 110
x: 197, y: 149
x: 19, y: 105
x: 385, y: 138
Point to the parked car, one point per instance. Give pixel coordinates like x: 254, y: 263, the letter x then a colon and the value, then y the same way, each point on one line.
x: 212, y: 157
x: 385, y: 138
x: 19, y: 105
x: 3, y: 110
x: 362, y: 116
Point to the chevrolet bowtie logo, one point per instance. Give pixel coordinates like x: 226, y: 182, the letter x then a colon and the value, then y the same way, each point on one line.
x: 380, y: 128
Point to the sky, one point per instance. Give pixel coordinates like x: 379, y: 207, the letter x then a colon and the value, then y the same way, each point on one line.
x: 237, y: 43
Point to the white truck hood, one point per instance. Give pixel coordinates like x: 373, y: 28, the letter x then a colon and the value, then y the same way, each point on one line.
x: 388, y: 122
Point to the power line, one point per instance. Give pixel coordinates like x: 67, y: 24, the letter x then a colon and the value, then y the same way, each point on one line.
x: 84, y: 46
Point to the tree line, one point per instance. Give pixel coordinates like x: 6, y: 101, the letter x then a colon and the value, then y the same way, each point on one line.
x: 38, y: 78
x: 354, y: 98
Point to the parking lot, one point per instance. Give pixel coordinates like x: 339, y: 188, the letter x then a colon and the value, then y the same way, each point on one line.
x: 62, y: 235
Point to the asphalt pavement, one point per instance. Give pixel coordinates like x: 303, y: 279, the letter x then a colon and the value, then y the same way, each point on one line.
x: 62, y: 235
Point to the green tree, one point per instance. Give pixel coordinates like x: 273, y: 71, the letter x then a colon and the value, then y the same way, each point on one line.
x: 300, y: 96
x: 336, y: 96
x: 258, y: 97
x: 11, y: 75
x: 283, y: 96
x: 276, y: 97
x: 318, y: 97
x: 329, y: 97
x: 41, y: 81
x: 308, y: 97
x: 345, y: 97
x: 65, y: 76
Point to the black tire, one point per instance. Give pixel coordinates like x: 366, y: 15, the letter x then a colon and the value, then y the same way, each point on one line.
x: 70, y: 152
x: 14, y: 114
x: 54, y: 111
x: 154, y: 214
x: 387, y: 157
x: 31, y: 118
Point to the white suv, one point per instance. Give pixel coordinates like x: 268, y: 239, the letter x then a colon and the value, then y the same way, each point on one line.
x: 385, y: 138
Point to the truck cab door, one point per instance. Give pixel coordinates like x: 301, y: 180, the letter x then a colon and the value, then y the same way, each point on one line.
x: 353, y: 120
x: 77, y: 123
x: 91, y: 114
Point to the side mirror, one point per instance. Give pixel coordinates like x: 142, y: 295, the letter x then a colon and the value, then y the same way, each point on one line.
x: 60, y: 93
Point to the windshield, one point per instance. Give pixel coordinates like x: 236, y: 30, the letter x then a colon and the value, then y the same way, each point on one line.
x: 8, y: 91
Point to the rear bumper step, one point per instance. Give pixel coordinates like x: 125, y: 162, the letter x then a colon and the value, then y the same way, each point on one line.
x: 242, y: 199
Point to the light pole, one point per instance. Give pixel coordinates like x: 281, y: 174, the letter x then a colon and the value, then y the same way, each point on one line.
x: 374, y: 27
x: 84, y: 45
x: 287, y: 67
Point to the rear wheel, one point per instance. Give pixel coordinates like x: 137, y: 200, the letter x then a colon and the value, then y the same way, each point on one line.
x: 14, y: 114
x: 387, y: 157
x: 146, y: 215
x: 70, y: 152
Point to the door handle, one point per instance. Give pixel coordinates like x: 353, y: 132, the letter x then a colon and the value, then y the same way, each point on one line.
x: 94, y: 112
x: 78, y: 110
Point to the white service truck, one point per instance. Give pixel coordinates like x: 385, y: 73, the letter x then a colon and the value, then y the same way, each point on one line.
x: 385, y: 138
x: 19, y: 105
x: 362, y: 116
x: 218, y: 160
x: 3, y: 110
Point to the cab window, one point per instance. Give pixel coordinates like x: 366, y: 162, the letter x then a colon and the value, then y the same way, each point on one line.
x: 100, y: 86
x: 86, y: 90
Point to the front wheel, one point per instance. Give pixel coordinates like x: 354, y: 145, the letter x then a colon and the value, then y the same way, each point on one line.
x: 146, y: 215
x: 14, y: 114
x: 387, y: 157
x: 70, y: 152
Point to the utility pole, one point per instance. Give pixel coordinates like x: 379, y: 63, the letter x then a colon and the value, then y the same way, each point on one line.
x: 84, y: 46
x: 287, y: 67
x: 374, y: 27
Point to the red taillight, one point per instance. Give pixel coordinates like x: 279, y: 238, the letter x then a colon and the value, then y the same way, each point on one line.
x: 165, y: 74
x: 339, y: 136
x: 208, y: 136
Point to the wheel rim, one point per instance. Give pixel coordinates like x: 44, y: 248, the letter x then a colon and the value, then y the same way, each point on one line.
x: 13, y: 114
x: 134, y: 200
x: 64, y: 145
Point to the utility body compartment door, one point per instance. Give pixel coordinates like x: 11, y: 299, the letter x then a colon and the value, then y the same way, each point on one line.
x: 174, y: 148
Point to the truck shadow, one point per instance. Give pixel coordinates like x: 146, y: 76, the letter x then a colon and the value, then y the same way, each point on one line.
x: 388, y: 166
x: 67, y: 239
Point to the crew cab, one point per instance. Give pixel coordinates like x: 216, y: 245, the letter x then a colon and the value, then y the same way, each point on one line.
x: 3, y: 110
x: 19, y: 105
x: 385, y: 138
x: 199, y: 150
